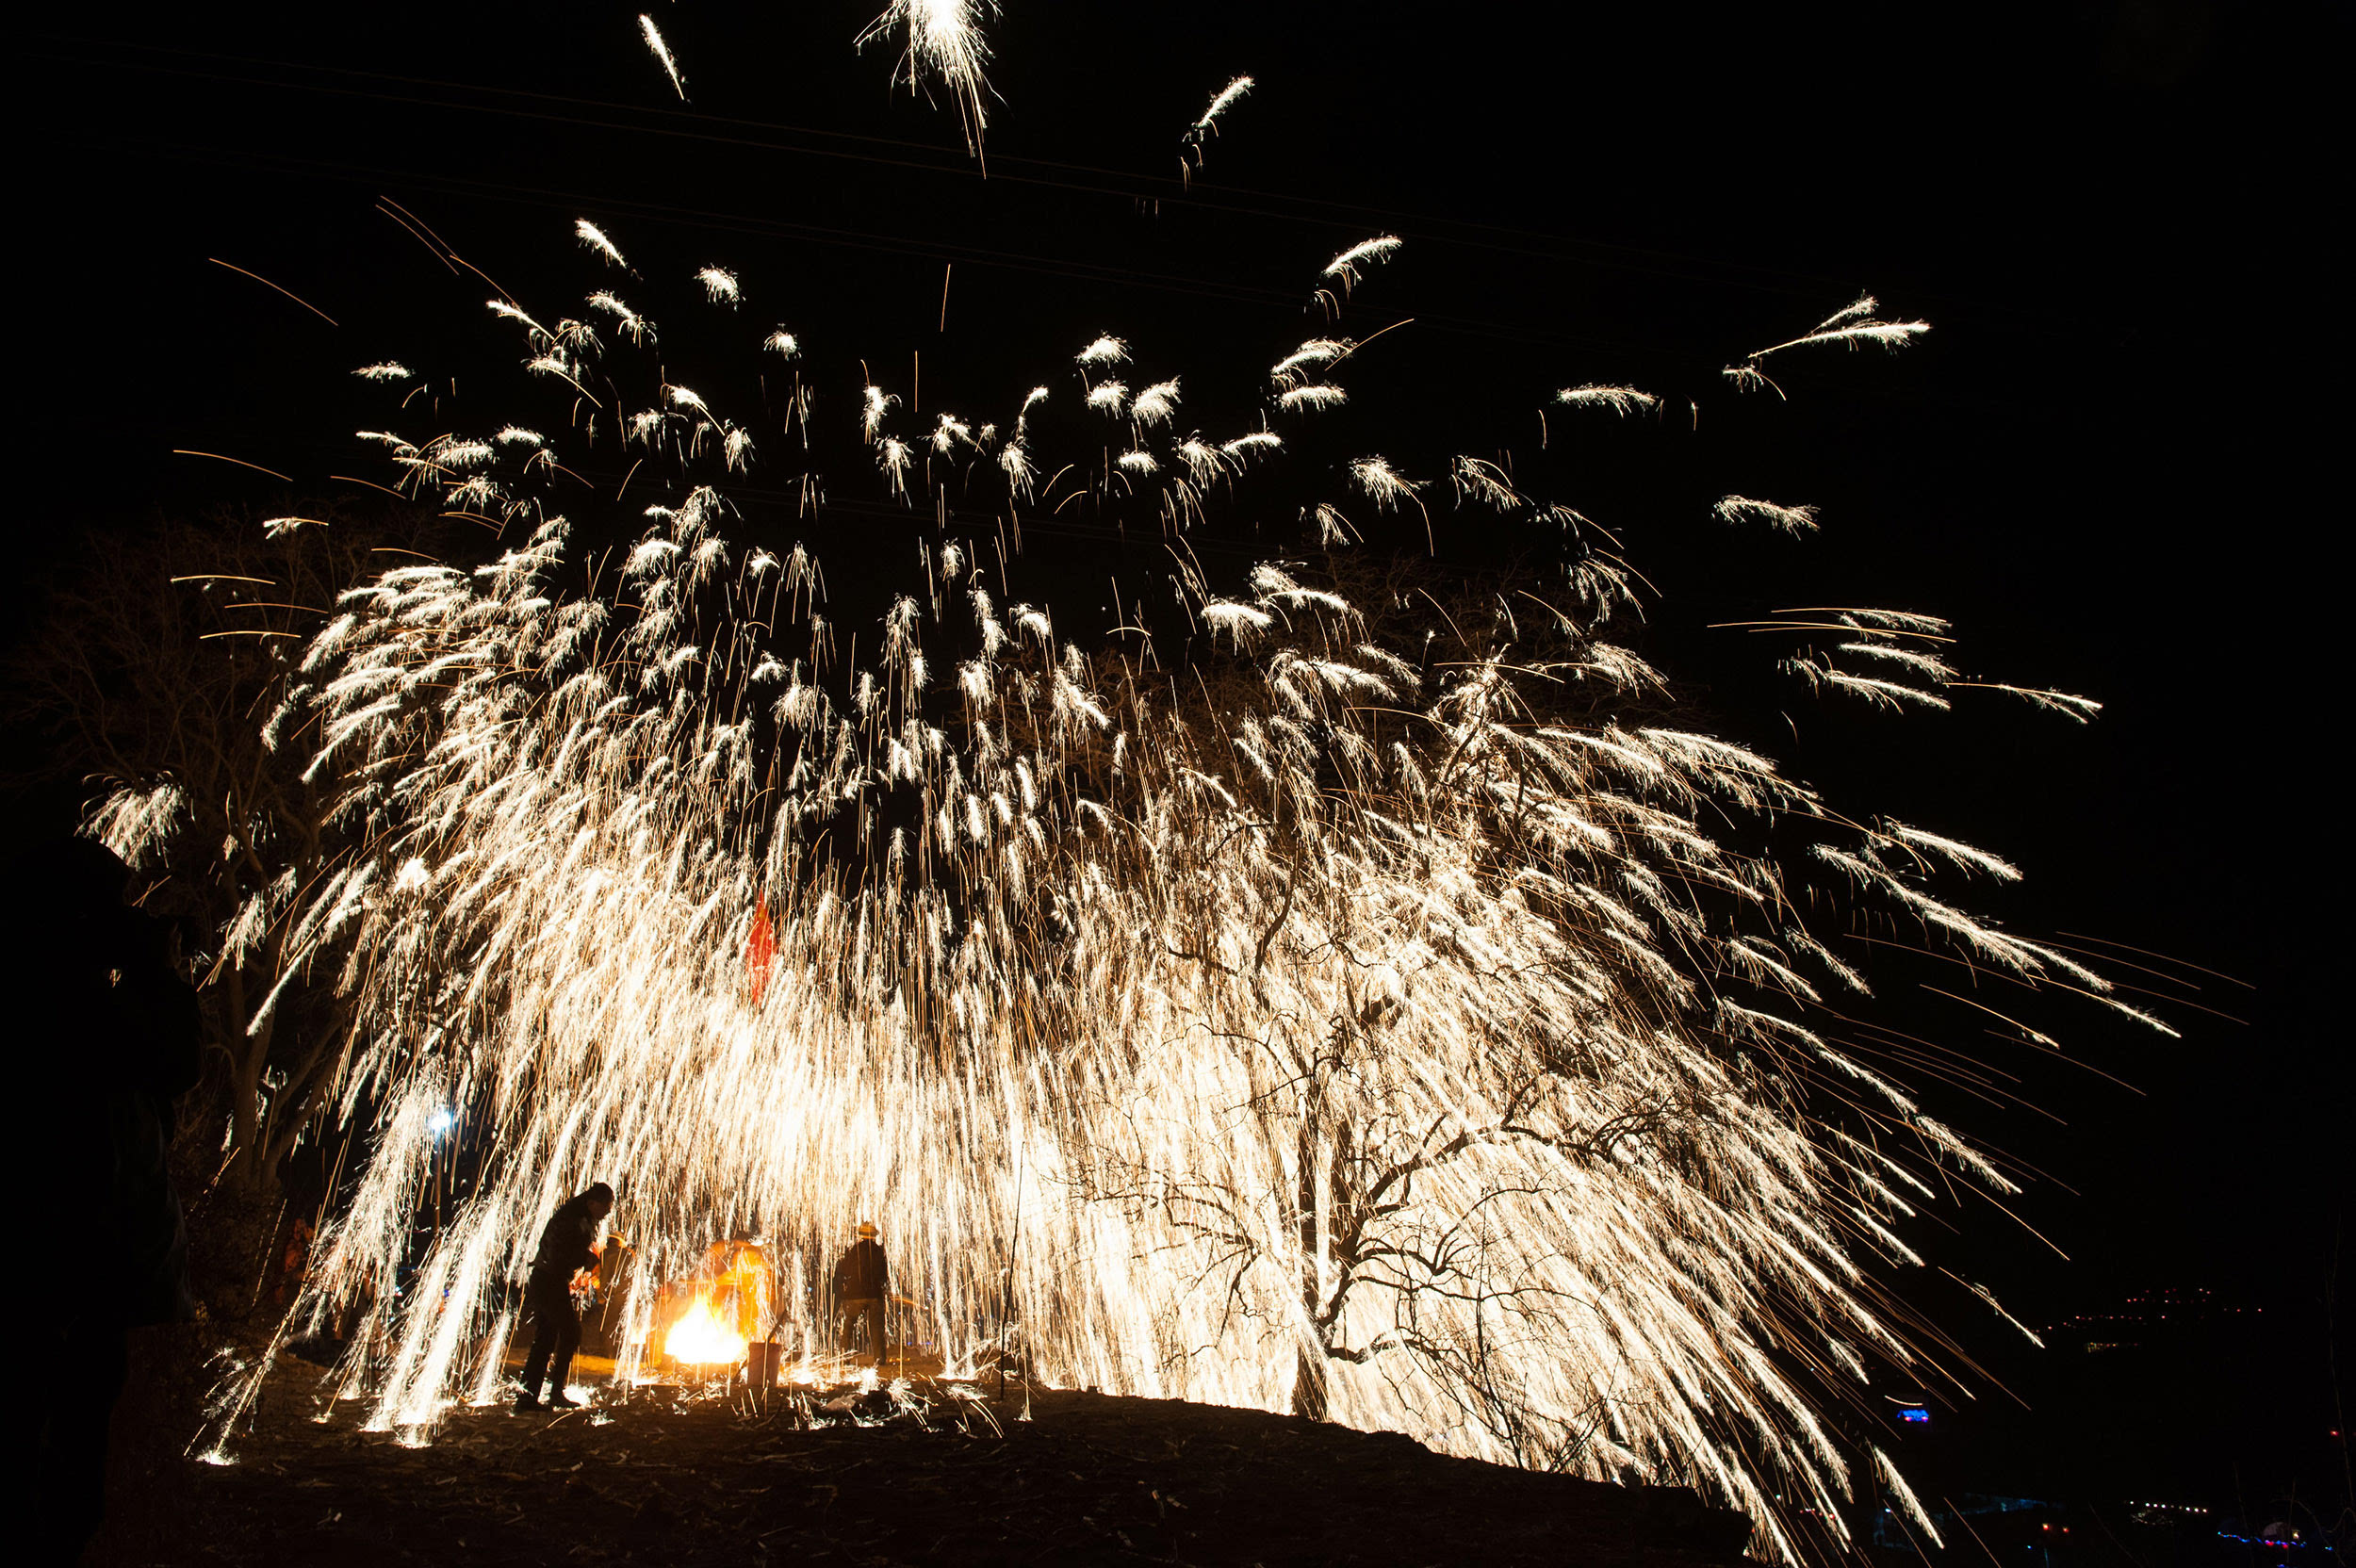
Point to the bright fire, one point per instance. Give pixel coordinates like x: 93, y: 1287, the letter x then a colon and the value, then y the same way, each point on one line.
x: 700, y: 1338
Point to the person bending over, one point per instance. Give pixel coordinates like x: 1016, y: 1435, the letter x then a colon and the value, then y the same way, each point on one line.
x: 567, y: 1244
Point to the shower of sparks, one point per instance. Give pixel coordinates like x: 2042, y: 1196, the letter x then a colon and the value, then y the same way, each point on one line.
x: 942, y: 41
x: 1414, y: 1035
x: 662, y: 53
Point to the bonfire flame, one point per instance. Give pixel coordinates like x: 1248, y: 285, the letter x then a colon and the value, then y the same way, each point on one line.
x: 700, y: 1338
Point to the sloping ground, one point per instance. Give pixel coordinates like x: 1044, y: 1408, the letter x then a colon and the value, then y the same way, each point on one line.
x: 675, y: 1479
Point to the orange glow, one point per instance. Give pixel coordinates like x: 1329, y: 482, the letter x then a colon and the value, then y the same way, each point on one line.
x: 701, y: 1339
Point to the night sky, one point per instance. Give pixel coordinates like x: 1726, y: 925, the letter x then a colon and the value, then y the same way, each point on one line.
x: 2106, y: 462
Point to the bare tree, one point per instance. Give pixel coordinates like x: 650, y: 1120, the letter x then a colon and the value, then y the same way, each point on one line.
x: 155, y: 679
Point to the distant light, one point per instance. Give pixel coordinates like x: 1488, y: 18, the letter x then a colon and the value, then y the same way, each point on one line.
x: 1916, y: 1414
x: 442, y: 1120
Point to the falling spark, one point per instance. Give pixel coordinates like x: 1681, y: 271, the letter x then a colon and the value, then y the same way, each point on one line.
x: 720, y: 286
x: 1853, y: 326
x: 594, y: 238
x: 633, y: 326
x: 1486, y: 483
x: 1381, y: 482
x: 267, y: 283
x: 1345, y: 268
x: 1023, y: 416
x: 1313, y: 398
x: 384, y: 370
x: 1223, y: 100
x: 1191, y: 145
x: 1316, y: 352
x: 1016, y: 463
x: 662, y: 54
x: 891, y: 456
x: 878, y: 403
x: 1794, y: 520
x: 1622, y: 400
x: 1344, y: 272
x: 1156, y: 403
x: 1949, y: 849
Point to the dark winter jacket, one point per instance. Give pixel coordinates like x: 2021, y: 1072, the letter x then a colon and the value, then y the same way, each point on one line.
x: 564, y: 1243
x: 104, y: 1032
x: 862, y: 1274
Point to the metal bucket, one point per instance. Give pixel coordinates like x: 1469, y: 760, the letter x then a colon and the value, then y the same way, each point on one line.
x: 761, y: 1360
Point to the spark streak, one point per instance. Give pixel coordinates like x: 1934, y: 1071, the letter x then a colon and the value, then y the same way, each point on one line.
x: 662, y: 53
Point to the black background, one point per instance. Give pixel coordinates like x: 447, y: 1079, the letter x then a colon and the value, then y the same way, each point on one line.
x: 2110, y: 462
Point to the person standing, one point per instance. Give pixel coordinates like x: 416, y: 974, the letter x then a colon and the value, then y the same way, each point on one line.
x: 861, y: 1280
x: 567, y: 1244
x: 106, y: 1038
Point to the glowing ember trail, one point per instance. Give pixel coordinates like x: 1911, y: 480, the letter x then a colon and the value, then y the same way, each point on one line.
x: 1412, y: 1031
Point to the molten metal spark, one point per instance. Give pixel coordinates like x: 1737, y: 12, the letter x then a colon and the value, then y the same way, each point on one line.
x: 1381, y: 1038
x: 662, y: 53
x: 942, y: 40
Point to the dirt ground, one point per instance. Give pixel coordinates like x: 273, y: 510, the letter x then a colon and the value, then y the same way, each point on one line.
x: 943, y: 1475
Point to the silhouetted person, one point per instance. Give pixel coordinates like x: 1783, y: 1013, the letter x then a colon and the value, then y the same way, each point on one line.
x: 567, y: 1244
x: 105, y: 1040
x: 861, y: 1280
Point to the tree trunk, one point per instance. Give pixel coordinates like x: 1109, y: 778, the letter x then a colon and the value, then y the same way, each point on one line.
x: 249, y: 1164
x: 1309, y: 1395
x: 245, y: 1127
